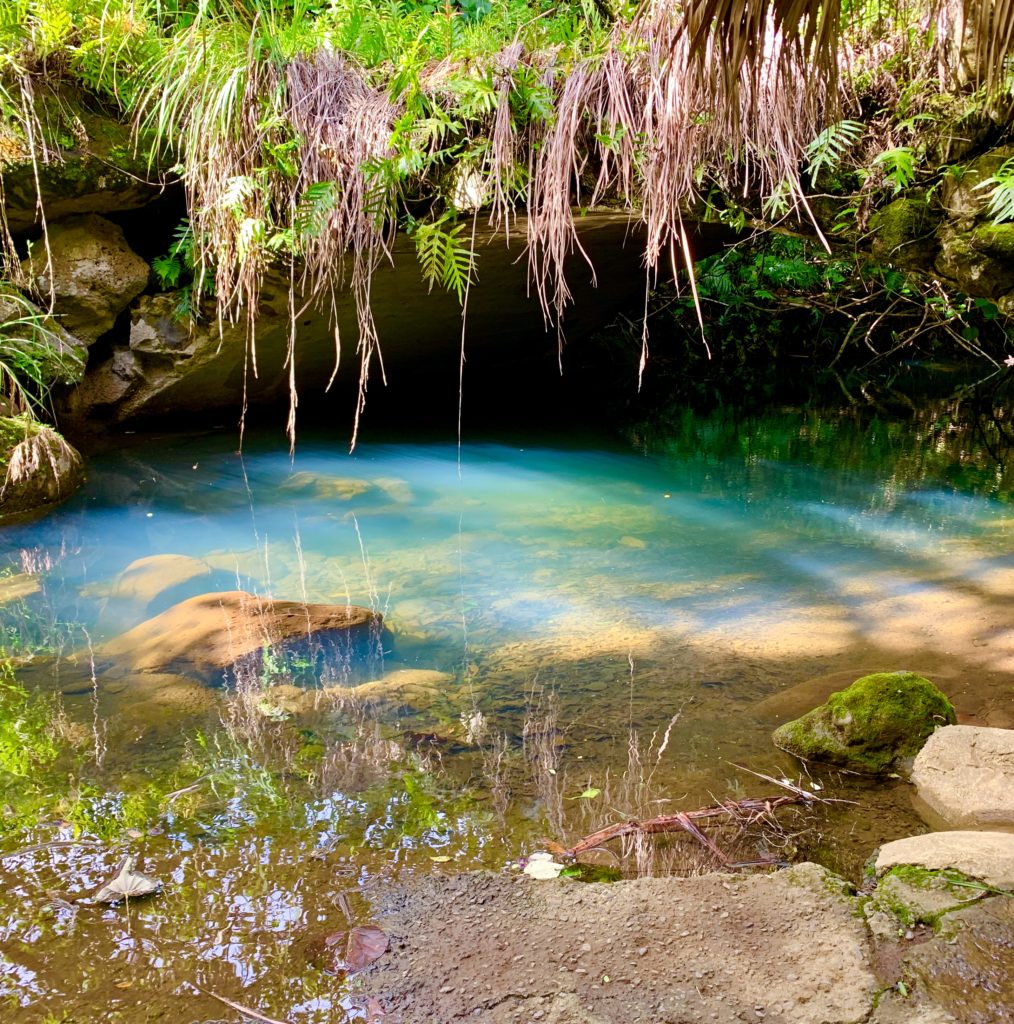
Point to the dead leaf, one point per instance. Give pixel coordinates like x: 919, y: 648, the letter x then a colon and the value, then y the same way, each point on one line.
x: 128, y: 884
x: 354, y: 950
x: 542, y: 867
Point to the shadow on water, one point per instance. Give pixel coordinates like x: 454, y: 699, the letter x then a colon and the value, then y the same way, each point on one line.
x: 627, y: 621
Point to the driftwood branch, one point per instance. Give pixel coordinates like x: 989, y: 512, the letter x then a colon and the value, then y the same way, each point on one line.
x: 686, y: 821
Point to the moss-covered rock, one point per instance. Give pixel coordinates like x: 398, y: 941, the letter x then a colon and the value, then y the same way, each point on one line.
x: 93, y: 165
x: 970, y: 267
x: 37, y: 466
x: 903, y: 233
x: 994, y: 240
x: 962, y: 197
x: 879, y: 721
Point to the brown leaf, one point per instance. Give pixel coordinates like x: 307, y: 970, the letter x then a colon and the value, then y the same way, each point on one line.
x: 354, y: 950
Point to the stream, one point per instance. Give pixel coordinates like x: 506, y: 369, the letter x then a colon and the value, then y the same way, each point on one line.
x: 578, y: 629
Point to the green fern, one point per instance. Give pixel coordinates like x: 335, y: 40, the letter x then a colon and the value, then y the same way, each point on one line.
x: 899, y: 166
x: 829, y: 148
x: 1000, y: 201
x: 444, y: 257
x: 315, y: 207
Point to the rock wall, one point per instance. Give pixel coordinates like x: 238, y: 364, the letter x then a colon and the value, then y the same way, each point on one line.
x: 157, y: 364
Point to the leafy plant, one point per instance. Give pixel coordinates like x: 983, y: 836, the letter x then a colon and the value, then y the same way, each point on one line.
x: 27, y: 740
x: 34, y: 353
x: 178, y: 268
x: 899, y: 166
x: 826, y: 151
x: 445, y: 258
x: 1000, y: 200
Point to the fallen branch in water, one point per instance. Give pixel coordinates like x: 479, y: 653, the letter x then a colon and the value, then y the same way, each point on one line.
x: 685, y: 821
x: 46, y: 846
x: 239, y: 1008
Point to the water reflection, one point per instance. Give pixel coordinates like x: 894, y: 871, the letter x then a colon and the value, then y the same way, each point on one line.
x: 547, y: 607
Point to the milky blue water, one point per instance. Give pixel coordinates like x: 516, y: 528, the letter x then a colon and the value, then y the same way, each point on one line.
x: 677, y: 596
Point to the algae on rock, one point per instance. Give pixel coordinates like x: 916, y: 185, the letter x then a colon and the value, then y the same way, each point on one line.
x: 37, y: 466
x: 877, y: 722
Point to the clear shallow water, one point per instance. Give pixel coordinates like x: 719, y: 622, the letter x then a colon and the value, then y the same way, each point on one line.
x: 717, y: 580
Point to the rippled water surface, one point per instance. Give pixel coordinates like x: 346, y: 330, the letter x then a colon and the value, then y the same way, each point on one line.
x: 549, y: 610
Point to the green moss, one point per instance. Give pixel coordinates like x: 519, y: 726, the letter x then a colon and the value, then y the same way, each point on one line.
x: 901, y: 231
x: 926, y: 878
x: 995, y: 240
x: 870, y: 727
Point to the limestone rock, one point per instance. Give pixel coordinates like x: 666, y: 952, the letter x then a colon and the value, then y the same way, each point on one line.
x: 784, y: 947
x: 17, y: 588
x: 94, y: 165
x: 994, y: 240
x: 872, y: 726
x: 973, y: 270
x: 903, y: 233
x: 231, y: 630
x: 145, y: 578
x: 37, y: 467
x: 409, y: 689
x: 163, y: 351
x: 967, y: 970
x: 987, y: 856
x: 95, y: 274
x: 59, y: 355
x: 964, y: 778
x: 962, y: 198
x: 327, y: 488
x: 151, y: 585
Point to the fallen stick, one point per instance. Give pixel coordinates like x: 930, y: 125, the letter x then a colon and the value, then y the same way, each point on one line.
x: 685, y: 821
x: 239, y: 1008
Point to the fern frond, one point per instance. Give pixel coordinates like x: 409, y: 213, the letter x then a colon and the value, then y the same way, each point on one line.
x: 315, y: 207
x: 830, y: 146
x: 444, y: 257
x: 899, y: 166
x: 1000, y: 201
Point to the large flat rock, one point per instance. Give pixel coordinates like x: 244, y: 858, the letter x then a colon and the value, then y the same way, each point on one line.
x: 212, y: 633
x: 783, y: 948
x: 987, y: 856
x: 964, y: 778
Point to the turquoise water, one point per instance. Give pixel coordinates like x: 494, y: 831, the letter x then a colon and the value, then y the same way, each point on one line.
x: 728, y: 548
x: 623, y: 619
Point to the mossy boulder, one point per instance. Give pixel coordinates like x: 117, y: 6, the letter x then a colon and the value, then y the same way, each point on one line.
x: 93, y: 164
x: 871, y: 727
x: 963, y: 260
x: 994, y: 240
x: 38, y: 467
x: 903, y: 233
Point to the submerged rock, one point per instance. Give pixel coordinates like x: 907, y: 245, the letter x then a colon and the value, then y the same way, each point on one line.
x: 231, y: 630
x: 410, y: 689
x: 872, y: 726
x: 148, y: 586
x: 37, y: 466
x: 964, y: 778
